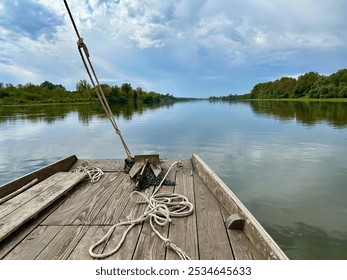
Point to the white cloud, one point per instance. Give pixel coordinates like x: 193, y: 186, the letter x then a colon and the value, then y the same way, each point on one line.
x: 15, y: 70
x: 2, y: 9
x: 146, y: 23
x: 154, y: 41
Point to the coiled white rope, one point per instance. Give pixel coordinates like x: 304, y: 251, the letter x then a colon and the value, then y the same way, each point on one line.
x: 94, y: 173
x: 160, y: 209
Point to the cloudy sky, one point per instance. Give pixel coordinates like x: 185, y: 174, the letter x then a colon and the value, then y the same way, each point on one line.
x: 182, y: 47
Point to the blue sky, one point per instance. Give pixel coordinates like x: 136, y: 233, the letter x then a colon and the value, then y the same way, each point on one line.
x: 186, y: 48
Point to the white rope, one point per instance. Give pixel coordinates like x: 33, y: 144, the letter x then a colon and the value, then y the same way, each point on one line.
x: 160, y: 208
x: 94, y: 173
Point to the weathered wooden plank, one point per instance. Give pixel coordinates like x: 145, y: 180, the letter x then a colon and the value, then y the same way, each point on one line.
x: 213, y: 240
x: 106, y: 165
x: 93, y: 205
x: 92, y: 235
x: 73, y: 203
x: 22, y: 189
x: 185, y: 163
x: 109, y: 214
x: 82, y: 207
x: 183, y: 231
x: 21, y: 199
x: 41, y: 174
x: 242, y: 247
x: 62, y: 245
x: 13, y: 240
x: 254, y: 231
x: 11, y: 223
x: 131, y: 212
x: 114, y: 207
x: 150, y: 246
x: 34, y: 243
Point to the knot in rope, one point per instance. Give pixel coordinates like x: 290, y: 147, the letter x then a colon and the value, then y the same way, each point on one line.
x: 81, y: 44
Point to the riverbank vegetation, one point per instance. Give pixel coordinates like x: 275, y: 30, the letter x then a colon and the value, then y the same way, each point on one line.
x: 48, y: 92
x: 308, y: 86
x: 307, y: 113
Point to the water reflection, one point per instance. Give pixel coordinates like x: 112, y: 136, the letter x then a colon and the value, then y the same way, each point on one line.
x: 291, y: 178
x: 86, y: 112
x: 307, y: 113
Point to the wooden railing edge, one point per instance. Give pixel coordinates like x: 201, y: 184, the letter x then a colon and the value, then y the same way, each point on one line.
x: 252, y: 228
x: 40, y: 174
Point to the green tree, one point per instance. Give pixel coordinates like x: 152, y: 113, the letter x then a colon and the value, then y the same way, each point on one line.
x: 84, y: 89
x: 304, y: 84
x: 49, y: 92
x: 126, y: 88
x: 343, y: 92
x: 47, y: 85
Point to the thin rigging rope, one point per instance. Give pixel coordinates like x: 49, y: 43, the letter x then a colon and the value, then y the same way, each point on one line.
x: 95, y: 82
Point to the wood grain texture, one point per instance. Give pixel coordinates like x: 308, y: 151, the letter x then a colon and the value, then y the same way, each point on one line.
x: 15, y: 193
x: 11, y: 223
x: 213, y: 240
x: 83, y: 206
x: 131, y: 212
x: 252, y: 228
x: 186, y: 163
x: 20, y: 236
x: 41, y: 174
x: 34, y: 243
x: 106, y: 165
x: 242, y: 247
x: 183, y: 230
x: 21, y: 199
x: 92, y: 235
x: 93, y: 205
x: 115, y: 205
x: 63, y: 243
x: 150, y: 246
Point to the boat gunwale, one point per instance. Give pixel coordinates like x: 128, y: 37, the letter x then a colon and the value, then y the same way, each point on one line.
x: 41, y: 174
x: 252, y: 228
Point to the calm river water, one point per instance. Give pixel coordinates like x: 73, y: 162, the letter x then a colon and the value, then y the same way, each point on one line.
x: 286, y: 161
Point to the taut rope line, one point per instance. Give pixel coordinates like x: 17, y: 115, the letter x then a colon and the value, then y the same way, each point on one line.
x: 160, y: 209
x: 92, y: 76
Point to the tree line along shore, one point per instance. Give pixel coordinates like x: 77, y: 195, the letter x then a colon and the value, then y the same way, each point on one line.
x: 308, y: 86
x: 48, y: 92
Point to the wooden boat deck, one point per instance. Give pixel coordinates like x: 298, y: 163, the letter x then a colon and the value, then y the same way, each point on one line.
x: 79, y: 213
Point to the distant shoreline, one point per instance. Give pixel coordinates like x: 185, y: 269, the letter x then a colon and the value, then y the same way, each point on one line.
x: 297, y: 99
x: 187, y: 100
